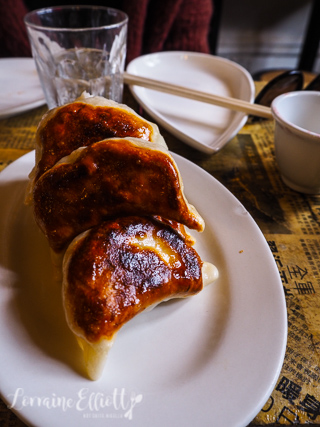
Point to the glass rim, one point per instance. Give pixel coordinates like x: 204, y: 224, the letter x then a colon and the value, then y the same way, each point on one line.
x: 42, y: 11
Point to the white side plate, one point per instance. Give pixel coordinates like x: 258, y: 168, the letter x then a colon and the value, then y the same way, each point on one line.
x: 213, y: 359
x: 20, y: 88
x: 205, y: 127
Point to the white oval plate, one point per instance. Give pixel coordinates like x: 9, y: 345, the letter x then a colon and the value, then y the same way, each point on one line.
x: 212, y: 359
x: 205, y: 127
x: 20, y: 88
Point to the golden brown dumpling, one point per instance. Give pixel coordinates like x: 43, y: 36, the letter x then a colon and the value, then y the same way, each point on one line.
x: 110, y: 178
x: 81, y: 123
x: 120, y: 268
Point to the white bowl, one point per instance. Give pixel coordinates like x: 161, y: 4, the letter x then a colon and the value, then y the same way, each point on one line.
x: 297, y: 139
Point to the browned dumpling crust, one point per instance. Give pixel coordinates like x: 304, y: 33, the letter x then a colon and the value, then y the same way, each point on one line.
x: 109, y: 197
x: 81, y: 123
x: 78, y: 125
x: 179, y: 228
x: 121, y: 267
x: 107, y: 179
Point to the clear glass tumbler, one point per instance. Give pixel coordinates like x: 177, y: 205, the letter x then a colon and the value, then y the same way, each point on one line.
x: 78, y: 49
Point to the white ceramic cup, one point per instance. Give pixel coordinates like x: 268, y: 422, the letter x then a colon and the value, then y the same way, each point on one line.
x: 77, y: 49
x: 297, y: 139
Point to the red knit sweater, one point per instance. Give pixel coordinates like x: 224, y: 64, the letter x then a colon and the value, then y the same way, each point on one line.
x: 154, y: 25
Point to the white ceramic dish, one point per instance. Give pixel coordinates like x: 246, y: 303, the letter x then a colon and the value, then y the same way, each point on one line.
x: 213, y: 359
x: 205, y: 127
x: 297, y: 139
x: 20, y: 88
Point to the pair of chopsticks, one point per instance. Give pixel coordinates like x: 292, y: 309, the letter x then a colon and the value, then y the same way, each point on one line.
x: 222, y: 101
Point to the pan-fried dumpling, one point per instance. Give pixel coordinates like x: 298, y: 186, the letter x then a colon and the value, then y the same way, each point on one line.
x: 109, y: 197
x: 113, y: 177
x: 81, y: 123
x: 120, y: 268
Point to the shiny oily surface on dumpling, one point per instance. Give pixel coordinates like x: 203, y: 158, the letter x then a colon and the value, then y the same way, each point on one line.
x: 110, y: 178
x: 83, y: 122
x: 120, y: 268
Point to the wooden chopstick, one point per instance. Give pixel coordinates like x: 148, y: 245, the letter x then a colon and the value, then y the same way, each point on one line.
x: 222, y: 101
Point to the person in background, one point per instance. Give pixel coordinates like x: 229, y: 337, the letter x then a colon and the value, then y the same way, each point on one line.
x: 154, y: 25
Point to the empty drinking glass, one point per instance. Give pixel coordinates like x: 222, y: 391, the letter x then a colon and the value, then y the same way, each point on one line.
x: 77, y: 49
